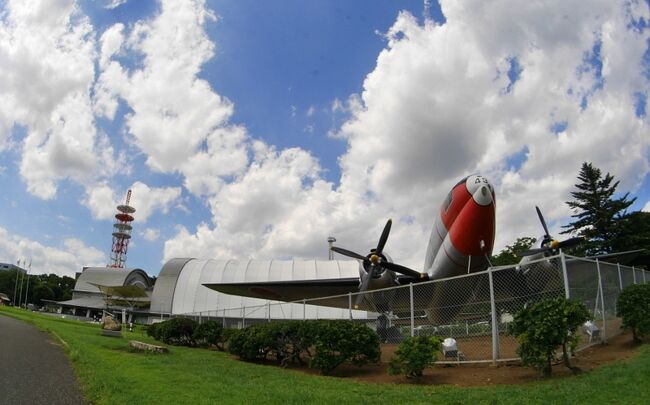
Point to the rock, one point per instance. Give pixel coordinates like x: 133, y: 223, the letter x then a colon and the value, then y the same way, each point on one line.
x: 147, y: 347
x: 110, y: 323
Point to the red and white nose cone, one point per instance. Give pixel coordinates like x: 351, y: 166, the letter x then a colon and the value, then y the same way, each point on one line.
x: 481, y: 190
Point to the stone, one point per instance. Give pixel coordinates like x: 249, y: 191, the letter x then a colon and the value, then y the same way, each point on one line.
x: 110, y: 323
x: 147, y: 347
x: 111, y: 333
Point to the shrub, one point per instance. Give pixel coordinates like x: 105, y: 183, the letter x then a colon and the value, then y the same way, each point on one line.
x: 208, y: 333
x: 332, y: 343
x: 543, y: 327
x: 413, y: 355
x: 339, y: 341
x: 177, y: 331
x: 153, y: 330
x: 634, y: 307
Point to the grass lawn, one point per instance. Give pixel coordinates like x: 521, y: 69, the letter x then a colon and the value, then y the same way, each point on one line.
x: 111, y: 374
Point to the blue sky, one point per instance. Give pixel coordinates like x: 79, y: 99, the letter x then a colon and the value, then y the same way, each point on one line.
x: 255, y: 129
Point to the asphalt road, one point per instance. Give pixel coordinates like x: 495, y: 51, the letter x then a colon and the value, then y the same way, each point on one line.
x: 34, y: 368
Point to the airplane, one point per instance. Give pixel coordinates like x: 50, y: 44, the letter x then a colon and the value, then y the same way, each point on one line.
x: 461, y: 242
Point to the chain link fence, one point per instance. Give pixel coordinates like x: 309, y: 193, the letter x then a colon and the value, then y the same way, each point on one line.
x: 474, y: 309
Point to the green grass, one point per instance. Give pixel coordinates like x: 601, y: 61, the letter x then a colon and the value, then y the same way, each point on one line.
x: 111, y: 374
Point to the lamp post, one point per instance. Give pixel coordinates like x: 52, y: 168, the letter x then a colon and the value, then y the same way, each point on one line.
x: 330, y: 241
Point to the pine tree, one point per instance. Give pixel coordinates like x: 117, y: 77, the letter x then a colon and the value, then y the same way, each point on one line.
x: 596, y: 211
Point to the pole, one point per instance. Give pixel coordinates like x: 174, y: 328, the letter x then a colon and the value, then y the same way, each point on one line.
x: 20, y: 294
x: 304, y: 309
x: 495, y: 325
x: 643, y: 273
x: 350, y: 304
x: 223, y: 318
x: 13, y: 301
x: 602, y: 302
x: 566, y: 277
x: 412, y: 310
x: 620, y: 279
x: 27, y: 292
x: 243, y: 318
x: 268, y: 311
x: 634, y: 274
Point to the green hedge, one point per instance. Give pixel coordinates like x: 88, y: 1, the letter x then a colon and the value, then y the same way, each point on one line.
x: 176, y: 331
x: 323, y: 344
x: 413, y: 355
x: 634, y: 307
x: 545, y: 326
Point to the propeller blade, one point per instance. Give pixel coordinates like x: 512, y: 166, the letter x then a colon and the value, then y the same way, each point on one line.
x: 397, y: 268
x: 384, y: 237
x: 348, y: 253
x: 365, y: 282
x: 541, y: 219
x: 570, y: 242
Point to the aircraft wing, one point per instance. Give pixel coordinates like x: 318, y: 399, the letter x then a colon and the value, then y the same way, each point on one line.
x: 294, y: 290
x: 625, y: 258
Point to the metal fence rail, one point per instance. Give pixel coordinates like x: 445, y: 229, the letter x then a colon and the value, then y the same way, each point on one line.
x: 474, y: 309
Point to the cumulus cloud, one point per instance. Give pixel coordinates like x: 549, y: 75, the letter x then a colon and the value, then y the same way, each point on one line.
x: 646, y: 208
x: 64, y: 260
x: 48, y: 54
x: 101, y: 199
x: 519, y: 92
x: 151, y: 234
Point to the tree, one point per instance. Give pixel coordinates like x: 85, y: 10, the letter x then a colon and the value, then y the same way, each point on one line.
x: 509, y: 254
x: 633, y: 305
x: 596, y: 211
x: 633, y: 232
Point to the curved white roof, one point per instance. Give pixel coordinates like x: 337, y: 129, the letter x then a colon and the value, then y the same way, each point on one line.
x: 179, y: 288
x: 110, y: 276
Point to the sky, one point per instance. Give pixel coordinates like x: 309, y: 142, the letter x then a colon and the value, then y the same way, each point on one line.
x: 250, y: 129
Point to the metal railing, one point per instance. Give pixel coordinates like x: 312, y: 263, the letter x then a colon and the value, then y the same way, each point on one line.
x: 474, y: 309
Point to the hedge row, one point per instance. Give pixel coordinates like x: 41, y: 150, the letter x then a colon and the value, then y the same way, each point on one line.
x: 322, y: 344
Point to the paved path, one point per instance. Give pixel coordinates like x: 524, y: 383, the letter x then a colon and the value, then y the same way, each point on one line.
x: 33, y: 368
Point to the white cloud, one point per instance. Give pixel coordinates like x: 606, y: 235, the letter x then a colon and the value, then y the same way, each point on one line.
x: 310, y: 111
x: 646, y: 208
x: 440, y: 105
x: 112, y: 4
x: 151, y: 234
x: 64, y: 260
x: 102, y: 200
x: 48, y: 54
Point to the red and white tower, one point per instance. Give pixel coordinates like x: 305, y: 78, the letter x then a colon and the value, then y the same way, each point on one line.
x: 122, y: 233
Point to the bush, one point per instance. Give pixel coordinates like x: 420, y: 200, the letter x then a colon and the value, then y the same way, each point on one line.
x: 209, y: 333
x: 177, y: 331
x: 340, y: 341
x: 413, y: 355
x: 332, y: 343
x: 543, y: 327
x: 153, y: 330
x: 634, y: 307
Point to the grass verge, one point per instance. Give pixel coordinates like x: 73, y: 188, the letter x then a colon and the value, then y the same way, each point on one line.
x: 111, y: 374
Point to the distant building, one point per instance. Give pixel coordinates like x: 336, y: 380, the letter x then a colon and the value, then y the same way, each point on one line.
x: 10, y: 266
x: 179, y: 290
x: 4, y: 299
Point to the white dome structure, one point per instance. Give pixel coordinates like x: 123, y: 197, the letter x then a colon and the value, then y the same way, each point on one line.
x: 179, y: 287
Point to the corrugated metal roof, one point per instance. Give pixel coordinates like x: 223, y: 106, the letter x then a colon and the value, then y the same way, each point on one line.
x: 93, y: 276
x: 179, y: 288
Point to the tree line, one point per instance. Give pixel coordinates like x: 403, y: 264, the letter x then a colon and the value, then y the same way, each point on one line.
x: 41, y: 287
x: 598, y: 216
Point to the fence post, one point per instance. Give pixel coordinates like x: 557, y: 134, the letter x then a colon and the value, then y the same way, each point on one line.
x: 412, y: 310
x: 643, y: 273
x: 350, y: 304
x: 243, y: 317
x: 620, y: 279
x: 634, y: 274
x: 268, y: 311
x: 495, y: 325
x: 564, y: 274
x: 223, y: 318
x: 602, y: 301
x: 200, y: 317
x: 304, y: 309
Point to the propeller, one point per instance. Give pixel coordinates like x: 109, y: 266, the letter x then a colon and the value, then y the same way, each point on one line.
x: 375, y: 262
x: 548, y: 243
